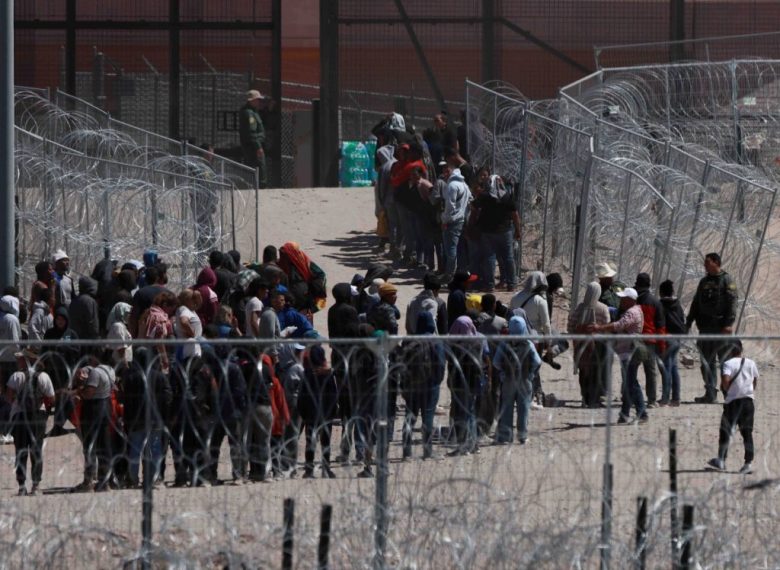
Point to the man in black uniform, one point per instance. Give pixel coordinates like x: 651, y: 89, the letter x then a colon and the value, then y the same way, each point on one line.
x: 252, y: 134
x: 714, y: 308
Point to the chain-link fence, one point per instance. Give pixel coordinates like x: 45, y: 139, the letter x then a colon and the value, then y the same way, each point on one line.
x: 96, y: 187
x: 658, y: 169
x: 180, y: 436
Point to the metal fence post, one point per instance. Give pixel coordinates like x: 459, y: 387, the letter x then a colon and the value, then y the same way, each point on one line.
x: 581, y: 233
x: 675, y: 521
x: 287, y: 539
x: 625, y: 224
x: 521, y: 193
x: 687, y: 530
x: 380, y: 506
x: 324, y: 545
x: 607, y: 473
x: 147, y: 502
x: 641, y: 534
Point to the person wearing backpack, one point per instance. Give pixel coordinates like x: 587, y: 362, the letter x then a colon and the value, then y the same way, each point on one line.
x: 28, y: 391
x: 675, y: 324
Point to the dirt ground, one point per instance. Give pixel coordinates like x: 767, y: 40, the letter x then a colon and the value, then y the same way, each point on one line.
x: 532, y: 505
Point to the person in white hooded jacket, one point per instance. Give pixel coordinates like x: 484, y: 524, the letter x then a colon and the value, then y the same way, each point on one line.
x: 456, y: 198
x: 10, y: 329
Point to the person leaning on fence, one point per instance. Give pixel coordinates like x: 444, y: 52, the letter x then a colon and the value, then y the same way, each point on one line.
x: 675, y: 324
x: 589, y: 356
x: 28, y: 390
x: 630, y: 352
x: 714, y: 310
x: 738, y: 383
x: 517, y: 361
x: 251, y: 132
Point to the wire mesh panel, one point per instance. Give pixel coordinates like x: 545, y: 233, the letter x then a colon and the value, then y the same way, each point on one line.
x: 91, y: 190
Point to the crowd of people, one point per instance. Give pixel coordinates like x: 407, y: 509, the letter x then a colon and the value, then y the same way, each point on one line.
x: 436, y: 212
x: 189, y: 397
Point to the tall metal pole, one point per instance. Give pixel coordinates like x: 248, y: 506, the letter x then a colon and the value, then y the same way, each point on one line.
x: 7, y: 188
x: 174, y: 55
x: 329, y: 93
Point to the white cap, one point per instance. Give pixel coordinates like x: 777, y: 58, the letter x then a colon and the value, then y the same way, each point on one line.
x: 629, y: 292
x: 253, y: 94
x: 59, y: 254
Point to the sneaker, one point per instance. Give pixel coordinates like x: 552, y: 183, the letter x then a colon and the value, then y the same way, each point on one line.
x: 623, y: 419
x: 366, y: 473
x: 644, y: 418
x: 536, y: 406
x: 308, y: 474
x: 717, y: 464
x: 705, y: 399
x: 652, y: 405
x: 675, y: 403
x: 22, y: 491
x: 57, y: 431
x: 84, y: 487
x: 746, y: 469
x: 662, y: 403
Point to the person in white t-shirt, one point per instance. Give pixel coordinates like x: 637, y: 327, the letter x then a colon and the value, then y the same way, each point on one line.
x: 738, y: 380
x: 187, y: 324
x: 256, y: 290
x: 29, y: 390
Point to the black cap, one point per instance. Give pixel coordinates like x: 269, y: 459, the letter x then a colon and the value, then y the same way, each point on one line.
x: 431, y: 281
x: 642, y: 280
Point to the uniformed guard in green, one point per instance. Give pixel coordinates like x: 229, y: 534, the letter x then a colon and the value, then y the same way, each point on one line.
x: 714, y: 309
x: 252, y: 134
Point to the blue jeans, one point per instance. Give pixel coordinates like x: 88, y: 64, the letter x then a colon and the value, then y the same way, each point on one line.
x: 514, y: 391
x: 498, y: 246
x: 136, y: 440
x: 631, y: 390
x: 671, y: 379
x: 450, y: 239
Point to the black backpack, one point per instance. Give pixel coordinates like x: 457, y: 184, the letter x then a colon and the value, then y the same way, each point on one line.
x: 29, y: 396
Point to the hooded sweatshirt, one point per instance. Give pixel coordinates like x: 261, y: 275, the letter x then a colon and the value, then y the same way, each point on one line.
x: 456, y: 199
x: 83, y: 310
x: 383, y: 190
x: 517, y: 359
x: 10, y: 328
x: 534, y: 301
x: 41, y: 320
x: 343, y: 318
x: 205, y: 284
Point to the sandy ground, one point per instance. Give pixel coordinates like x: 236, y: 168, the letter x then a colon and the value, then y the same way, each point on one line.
x: 536, y: 505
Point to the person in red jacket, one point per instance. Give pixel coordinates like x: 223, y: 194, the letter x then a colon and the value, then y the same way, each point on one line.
x: 654, y: 324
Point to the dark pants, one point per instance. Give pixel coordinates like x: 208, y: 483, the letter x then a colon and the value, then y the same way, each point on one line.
x: 28, y: 441
x: 190, y: 453
x: 463, y: 404
x: 292, y: 432
x: 713, y: 355
x: 314, y: 432
x: 251, y: 159
x: 591, y: 365
x: 739, y: 413
x: 96, y: 439
x: 233, y: 431
x: 486, y: 405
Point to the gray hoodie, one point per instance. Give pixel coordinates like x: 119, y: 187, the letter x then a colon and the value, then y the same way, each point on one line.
x: 41, y: 320
x: 457, y: 197
x: 10, y: 328
x: 383, y: 190
x: 83, y: 310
